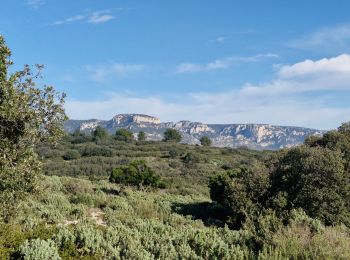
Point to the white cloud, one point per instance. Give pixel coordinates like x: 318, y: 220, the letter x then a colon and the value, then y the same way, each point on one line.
x: 100, y: 17
x: 282, y: 101
x: 220, y: 64
x: 226, y: 107
x: 103, y: 73
x: 339, y: 64
x: 71, y: 19
x: 221, y: 39
x: 94, y: 18
x: 329, y: 39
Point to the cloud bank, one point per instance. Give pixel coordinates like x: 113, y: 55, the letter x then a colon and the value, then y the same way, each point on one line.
x: 283, y: 101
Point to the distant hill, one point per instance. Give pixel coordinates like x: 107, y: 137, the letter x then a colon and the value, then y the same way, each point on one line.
x: 254, y: 136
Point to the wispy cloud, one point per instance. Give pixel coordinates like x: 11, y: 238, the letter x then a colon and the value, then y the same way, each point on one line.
x: 336, y: 38
x: 96, y: 17
x: 34, y: 3
x: 220, y: 64
x: 221, y: 39
x: 281, y: 101
x: 103, y: 73
x: 100, y: 17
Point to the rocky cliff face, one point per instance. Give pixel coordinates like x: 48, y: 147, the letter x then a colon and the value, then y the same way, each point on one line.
x: 254, y: 136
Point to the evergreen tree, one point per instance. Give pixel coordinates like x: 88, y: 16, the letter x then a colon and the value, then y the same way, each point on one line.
x: 28, y: 115
x: 172, y: 135
x: 124, y: 135
x: 141, y: 136
x: 205, y: 141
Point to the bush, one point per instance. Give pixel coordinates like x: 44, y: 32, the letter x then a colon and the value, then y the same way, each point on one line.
x: 38, y: 249
x: 173, y: 153
x: 136, y: 173
x: 242, y: 191
x: 172, y: 135
x: 71, y: 155
x: 205, y: 141
x: 94, y: 150
x: 124, y: 135
x: 141, y: 136
x: 99, y: 133
x: 312, y: 178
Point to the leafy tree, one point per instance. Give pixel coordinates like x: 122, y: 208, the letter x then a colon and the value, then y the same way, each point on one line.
x: 172, y: 135
x: 243, y: 191
x: 28, y: 115
x: 141, y: 136
x: 136, y: 173
x: 344, y: 128
x: 205, y: 141
x: 312, y: 178
x: 100, y: 133
x: 124, y: 135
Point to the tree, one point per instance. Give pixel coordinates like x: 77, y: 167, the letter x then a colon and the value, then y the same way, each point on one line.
x: 205, y: 141
x: 172, y: 135
x: 99, y: 133
x: 29, y: 115
x: 136, y: 173
x: 314, y: 179
x: 141, y: 136
x: 124, y: 135
x: 243, y: 191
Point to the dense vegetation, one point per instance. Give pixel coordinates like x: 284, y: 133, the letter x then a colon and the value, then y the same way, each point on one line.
x: 107, y: 196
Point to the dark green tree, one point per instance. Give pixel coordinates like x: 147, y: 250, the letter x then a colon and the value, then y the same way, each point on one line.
x: 205, y: 141
x: 29, y: 115
x: 314, y: 179
x: 136, y: 173
x: 141, y: 136
x: 99, y: 133
x: 124, y: 135
x: 243, y: 191
x: 172, y: 135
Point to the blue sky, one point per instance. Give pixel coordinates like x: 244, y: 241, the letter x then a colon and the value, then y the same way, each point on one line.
x: 275, y: 62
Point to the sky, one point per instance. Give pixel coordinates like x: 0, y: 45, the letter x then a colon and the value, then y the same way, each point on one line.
x: 228, y: 61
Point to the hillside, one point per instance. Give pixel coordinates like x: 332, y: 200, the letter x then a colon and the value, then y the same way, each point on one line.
x: 254, y: 136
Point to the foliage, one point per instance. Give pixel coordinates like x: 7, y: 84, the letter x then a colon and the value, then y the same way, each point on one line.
x: 99, y: 133
x: 172, y: 135
x: 124, y: 135
x: 205, y: 141
x: 141, y: 136
x: 243, y: 191
x: 28, y: 115
x: 313, y: 177
x: 38, y: 249
x: 71, y: 155
x: 136, y: 173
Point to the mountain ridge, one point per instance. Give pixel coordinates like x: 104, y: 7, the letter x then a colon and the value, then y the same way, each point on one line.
x: 254, y: 136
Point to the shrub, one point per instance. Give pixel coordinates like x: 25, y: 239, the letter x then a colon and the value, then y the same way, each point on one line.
x: 173, y: 153
x: 124, y: 135
x: 312, y: 178
x: 141, y: 136
x: 205, y: 141
x: 71, y: 155
x: 172, y: 135
x: 243, y: 191
x: 38, y: 249
x: 190, y: 158
x: 94, y: 150
x: 99, y: 133
x: 136, y: 173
